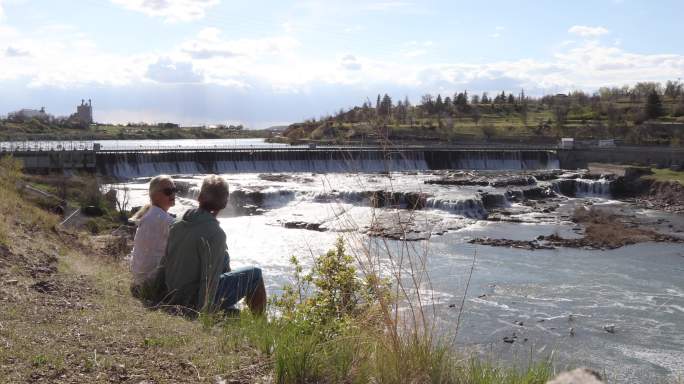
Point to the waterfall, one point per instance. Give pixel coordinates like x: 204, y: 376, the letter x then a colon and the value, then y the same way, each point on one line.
x: 470, y: 207
x: 583, y: 187
x: 139, y: 164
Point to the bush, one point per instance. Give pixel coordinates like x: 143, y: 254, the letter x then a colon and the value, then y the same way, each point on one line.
x: 10, y: 170
x: 330, y: 328
x: 91, y: 195
x: 93, y: 227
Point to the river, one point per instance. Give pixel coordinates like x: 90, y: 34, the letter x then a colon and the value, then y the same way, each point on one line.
x: 555, y: 302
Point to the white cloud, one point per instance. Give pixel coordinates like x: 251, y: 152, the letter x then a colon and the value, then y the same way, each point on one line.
x: 166, y: 70
x: 586, y: 31
x: 170, y: 10
x: 54, y: 55
x: 277, y: 67
x: 350, y: 62
x: 16, y: 52
x: 208, y: 44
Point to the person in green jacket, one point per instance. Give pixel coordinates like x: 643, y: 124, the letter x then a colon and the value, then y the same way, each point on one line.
x: 196, y: 267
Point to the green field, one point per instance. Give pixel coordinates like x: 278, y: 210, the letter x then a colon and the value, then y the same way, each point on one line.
x: 667, y: 175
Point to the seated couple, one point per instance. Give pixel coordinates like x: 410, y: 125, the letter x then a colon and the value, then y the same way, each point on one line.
x: 184, y: 262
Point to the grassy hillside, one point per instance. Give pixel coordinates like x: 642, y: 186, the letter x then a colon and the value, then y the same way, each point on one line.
x: 641, y: 115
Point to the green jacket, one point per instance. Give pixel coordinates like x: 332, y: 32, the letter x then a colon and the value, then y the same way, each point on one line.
x: 194, y: 260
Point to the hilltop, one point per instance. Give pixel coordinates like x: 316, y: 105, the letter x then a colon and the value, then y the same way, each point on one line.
x: 647, y: 113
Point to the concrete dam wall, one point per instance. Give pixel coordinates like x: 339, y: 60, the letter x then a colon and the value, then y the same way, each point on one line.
x: 142, y: 164
x: 644, y: 156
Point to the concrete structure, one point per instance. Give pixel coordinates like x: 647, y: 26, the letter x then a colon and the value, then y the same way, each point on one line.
x: 28, y: 114
x: 644, y: 156
x: 51, y: 161
x: 212, y: 159
x: 84, y: 113
x: 567, y: 143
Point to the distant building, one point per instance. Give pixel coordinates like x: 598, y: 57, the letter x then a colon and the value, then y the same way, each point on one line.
x: 84, y: 113
x: 28, y: 114
x: 168, y: 125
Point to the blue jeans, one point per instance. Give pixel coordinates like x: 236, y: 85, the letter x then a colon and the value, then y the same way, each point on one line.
x: 235, y: 285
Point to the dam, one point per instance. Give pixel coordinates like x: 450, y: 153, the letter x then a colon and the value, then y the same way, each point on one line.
x: 151, y: 160
x: 320, y: 160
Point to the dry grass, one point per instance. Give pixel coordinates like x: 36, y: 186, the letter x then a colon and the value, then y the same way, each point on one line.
x: 667, y: 175
x: 67, y: 315
x: 605, y: 229
x: 76, y: 322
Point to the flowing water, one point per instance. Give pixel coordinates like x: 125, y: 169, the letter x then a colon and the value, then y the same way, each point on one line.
x: 532, y: 297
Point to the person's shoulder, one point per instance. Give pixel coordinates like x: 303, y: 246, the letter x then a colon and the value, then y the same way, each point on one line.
x: 157, y: 214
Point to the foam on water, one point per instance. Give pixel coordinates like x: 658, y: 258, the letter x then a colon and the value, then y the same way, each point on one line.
x: 638, y: 288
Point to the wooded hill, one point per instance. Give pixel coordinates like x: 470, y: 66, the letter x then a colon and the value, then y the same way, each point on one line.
x: 646, y: 113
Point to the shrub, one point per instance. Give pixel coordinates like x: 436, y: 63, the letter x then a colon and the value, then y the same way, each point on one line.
x: 93, y: 226
x: 10, y: 170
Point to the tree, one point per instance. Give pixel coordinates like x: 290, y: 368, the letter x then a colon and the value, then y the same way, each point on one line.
x: 447, y: 103
x: 427, y: 104
x: 488, y: 131
x: 475, y: 115
x: 674, y: 89
x: 439, y: 104
x: 560, y: 108
x: 614, y: 116
x: 461, y: 101
x: 475, y: 99
x: 485, y: 98
x: 511, y: 99
x: 645, y: 89
x: 122, y: 201
x: 654, y: 106
x: 523, y: 113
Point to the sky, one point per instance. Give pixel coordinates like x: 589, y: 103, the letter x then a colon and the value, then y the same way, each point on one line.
x: 263, y: 63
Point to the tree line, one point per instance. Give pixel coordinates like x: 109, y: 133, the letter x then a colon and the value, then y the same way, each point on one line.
x: 643, y: 101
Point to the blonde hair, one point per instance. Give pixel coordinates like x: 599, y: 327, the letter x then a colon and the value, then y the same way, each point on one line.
x: 213, y: 195
x: 155, y: 186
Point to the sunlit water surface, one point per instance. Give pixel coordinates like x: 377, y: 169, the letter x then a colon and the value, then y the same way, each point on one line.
x: 537, y: 295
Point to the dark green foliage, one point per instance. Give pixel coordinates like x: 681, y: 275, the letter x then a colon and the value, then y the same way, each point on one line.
x: 654, y: 106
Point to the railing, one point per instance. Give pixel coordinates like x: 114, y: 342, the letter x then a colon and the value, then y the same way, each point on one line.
x: 73, y: 146
x: 324, y: 148
x: 45, y: 146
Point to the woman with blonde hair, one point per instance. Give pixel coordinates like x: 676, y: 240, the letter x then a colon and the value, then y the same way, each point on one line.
x: 149, y: 245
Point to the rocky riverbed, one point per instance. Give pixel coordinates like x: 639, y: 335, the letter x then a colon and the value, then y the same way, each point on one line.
x: 556, y: 256
x: 413, y: 206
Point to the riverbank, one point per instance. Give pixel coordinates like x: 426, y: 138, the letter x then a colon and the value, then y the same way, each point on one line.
x: 32, y: 131
x: 68, y: 318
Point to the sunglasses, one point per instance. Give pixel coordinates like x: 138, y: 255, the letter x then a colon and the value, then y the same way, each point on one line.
x: 169, y: 191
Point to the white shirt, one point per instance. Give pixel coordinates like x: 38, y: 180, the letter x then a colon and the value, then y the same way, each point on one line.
x: 149, y: 244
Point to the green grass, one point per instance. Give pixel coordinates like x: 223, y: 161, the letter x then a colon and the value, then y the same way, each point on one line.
x: 359, y: 355
x: 667, y: 175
